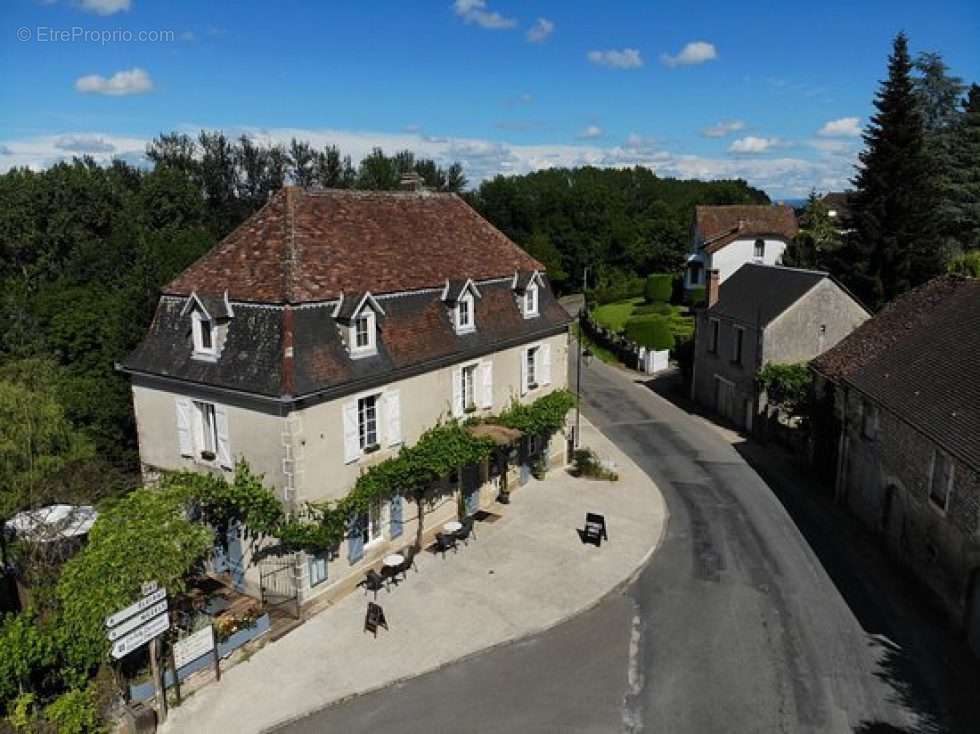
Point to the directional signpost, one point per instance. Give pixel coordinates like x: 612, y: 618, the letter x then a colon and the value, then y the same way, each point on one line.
x: 140, y: 623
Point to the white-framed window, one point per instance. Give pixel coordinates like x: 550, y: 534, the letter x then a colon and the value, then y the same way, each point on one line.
x: 464, y: 313
x: 738, y: 337
x: 367, y: 422
x: 362, y: 334
x: 202, y: 331
x: 372, y: 525
x: 940, y: 479
x: 205, y: 430
x: 468, y: 387
x: 532, y: 367
x: 531, y: 300
x: 715, y: 333
x: 759, y: 249
x: 318, y: 568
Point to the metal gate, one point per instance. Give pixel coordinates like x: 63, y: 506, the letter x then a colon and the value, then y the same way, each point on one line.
x: 277, y: 583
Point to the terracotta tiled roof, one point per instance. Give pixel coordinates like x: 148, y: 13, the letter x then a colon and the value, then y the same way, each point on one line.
x: 305, y: 246
x: 720, y: 225
x: 920, y: 359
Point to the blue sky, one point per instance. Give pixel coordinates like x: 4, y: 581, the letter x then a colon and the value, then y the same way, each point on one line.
x: 770, y: 92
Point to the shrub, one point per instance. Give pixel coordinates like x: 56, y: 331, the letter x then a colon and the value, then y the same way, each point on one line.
x: 696, y: 296
x: 967, y: 264
x: 618, y: 288
x: 652, y: 332
x: 658, y: 287
x: 26, y: 653
x: 661, y: 309
x: 586, y: 464
x: 74, y: 712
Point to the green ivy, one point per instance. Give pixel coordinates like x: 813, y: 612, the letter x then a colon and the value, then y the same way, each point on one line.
x: 787, y: 386
x: 543, y: 417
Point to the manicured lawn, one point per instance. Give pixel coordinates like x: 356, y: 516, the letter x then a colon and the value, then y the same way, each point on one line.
x: 615, y: 315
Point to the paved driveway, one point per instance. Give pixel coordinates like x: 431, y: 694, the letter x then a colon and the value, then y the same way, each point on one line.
x: 763, y: 611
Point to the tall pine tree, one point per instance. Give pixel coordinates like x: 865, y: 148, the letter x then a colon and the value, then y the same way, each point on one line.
x: 895, y: 246
x: 963, y: 180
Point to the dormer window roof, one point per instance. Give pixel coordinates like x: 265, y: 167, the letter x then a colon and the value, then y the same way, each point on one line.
x: 461, y: 295
x: 359, y: 314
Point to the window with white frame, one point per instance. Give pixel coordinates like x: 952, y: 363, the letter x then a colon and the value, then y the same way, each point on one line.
x: 464, y: 313
x: 362, y: 338
x: 367, y: 422
x: 468, y: 387
x: 532, y: 363
x: 318, y: 568
x: 203, y: 334
x: 205, y: 430
x: 531, y: 300
x: 371, y: 524
x: 759, y: 250
x: 940, y: 479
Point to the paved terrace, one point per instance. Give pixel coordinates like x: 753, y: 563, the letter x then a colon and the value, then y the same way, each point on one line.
x: 522, y: 574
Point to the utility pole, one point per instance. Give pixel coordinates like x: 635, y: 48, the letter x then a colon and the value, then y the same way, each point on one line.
x: 578, y: 377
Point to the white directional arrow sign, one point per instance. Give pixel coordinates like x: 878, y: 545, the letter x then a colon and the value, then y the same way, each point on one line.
x: 133, y: 622
x: 145, y: 603
x: 141, y: 636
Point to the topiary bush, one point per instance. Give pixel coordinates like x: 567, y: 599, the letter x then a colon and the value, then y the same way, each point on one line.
x: 661, y: 309
x: 658, y: 288
x: 697, y: 296
x: 652, y: 332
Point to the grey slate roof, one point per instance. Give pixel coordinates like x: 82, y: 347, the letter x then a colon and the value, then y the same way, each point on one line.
x: 756, y: 294
x: 416, y: 334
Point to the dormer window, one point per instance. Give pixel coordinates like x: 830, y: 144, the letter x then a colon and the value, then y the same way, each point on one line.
x: 203, y: 334
x: 531, y: 301
x: 363, y: 334
x: 464, y: 314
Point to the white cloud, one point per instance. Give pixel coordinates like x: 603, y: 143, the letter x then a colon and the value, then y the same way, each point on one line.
x: 845, y: 127
x: 84, y: 144
x: 104, y: 7
x: 590, y: 132
x: 627, y: 58
x: 483, y: 159
x: 540, y: 31
x: 753, y: 145
x: 187, y: 36
x: 696, y: 52
x: 133, y: 81
x: 723, y: 128
x: 475, y: 11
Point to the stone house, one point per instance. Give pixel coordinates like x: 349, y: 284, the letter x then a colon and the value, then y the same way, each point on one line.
x: 905, y: 396
x: 764, y: 314
x: 724, y: 238
x: 327, y: 331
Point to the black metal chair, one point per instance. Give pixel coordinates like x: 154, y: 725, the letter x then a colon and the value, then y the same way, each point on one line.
x: 373, y: 581
x: 409, y: 562
x: 445, y: 542
x: 464, y: 532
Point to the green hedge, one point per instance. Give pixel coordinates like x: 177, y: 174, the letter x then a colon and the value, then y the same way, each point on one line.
x: 652, y: 332
x: 661, y: 309
x: 658, y: 288
x: 696, y: 296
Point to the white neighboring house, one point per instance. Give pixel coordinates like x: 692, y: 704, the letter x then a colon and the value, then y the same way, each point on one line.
x: 724, y: 238
x: 326, y: 332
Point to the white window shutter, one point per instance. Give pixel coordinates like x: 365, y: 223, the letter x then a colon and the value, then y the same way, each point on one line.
x: 545, y: 364
x: 523, y: 372
x: 221, y: 428
x: 393, y: 417
x: 184, y: 427
x: 486, y: 370
x: 352, y: 446
x: 457, y: 393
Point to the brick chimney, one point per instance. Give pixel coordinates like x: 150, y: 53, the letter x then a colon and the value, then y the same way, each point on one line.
x: 411, y: 181
x: 711, y: 291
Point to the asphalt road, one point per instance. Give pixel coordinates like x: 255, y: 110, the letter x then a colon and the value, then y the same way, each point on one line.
x: 762, y: 611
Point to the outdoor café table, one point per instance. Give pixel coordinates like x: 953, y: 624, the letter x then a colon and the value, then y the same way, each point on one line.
x: 452, y: 527
x: 394, y: 560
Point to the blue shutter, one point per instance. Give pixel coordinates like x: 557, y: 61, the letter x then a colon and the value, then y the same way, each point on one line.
x: 318, y: 568
x: 396, y: 516
x: 355, y: 543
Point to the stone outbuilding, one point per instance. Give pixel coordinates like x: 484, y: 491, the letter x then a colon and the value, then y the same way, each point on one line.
x: 764, y: 314
x: 905, y: 396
